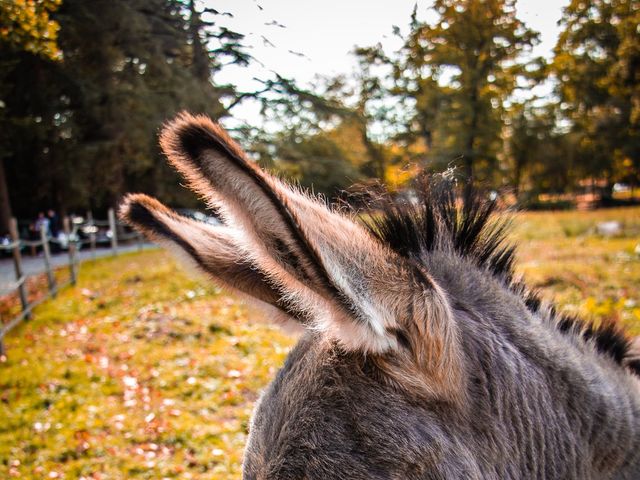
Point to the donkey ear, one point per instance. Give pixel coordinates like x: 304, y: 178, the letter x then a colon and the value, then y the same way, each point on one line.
x: 212, y: 250
x: 368, y: 293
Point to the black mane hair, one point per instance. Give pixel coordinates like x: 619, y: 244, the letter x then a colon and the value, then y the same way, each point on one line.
x: 468, y: 225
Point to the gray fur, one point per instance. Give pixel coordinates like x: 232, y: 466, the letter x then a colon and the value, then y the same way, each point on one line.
x: 537, y: 404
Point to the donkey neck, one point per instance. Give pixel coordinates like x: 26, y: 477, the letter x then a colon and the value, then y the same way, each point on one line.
x: 521, y: 366
x: 611, y: 418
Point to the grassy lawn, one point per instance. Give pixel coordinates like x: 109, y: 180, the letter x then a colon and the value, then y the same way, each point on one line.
x: 142, y: 372
x: 585, y: 273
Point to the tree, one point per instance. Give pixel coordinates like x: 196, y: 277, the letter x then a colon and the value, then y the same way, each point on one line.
x: 28, y: 26
x: 132, y: 65
x: 319, y: 143
x: 25, y: 27
x: 460, y: 71
x: 597, y: 63
x: 322, y: 162
x: 80, y: 131
x: 539, y: 156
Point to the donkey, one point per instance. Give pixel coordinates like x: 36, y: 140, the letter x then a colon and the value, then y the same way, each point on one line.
x: 420, y: 356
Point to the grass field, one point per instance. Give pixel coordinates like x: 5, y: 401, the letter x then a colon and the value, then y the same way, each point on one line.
x: 142, y: 372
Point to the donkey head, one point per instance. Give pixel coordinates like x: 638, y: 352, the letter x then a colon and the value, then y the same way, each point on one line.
x: 382, y: 382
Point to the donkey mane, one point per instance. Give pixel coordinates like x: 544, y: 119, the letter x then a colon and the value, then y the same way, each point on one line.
x: 466, y: 226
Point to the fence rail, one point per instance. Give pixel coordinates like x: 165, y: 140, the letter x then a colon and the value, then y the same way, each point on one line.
x: 72, y: 242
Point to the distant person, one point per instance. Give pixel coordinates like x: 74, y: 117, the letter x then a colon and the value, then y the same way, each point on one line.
x: 54, y: 223
x: 54, y: 229
x: 42, y: 222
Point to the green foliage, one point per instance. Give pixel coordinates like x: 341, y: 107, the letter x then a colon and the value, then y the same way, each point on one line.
x: 597, y: 62
x: 538, y: 157
x: 87, y: 125
x: 79, y: 131
x: 324, y: 143
x: 317, y: 162
x: 460, y: 70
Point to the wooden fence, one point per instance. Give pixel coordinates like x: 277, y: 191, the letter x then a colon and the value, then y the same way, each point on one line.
x: 72, y: 242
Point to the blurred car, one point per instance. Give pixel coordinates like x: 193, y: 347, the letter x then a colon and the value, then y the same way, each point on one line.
x: 102, y: 235
x: 62, y: 240
x: 5, y: 241
x: 199, y: 216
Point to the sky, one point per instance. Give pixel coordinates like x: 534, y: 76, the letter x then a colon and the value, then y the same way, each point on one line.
x: 306, y: 38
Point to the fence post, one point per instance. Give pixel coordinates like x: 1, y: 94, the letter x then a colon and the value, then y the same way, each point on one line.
x: 46, y: 253
x: 92, y: 235
x: 114, y: 232
x: 72, y: 250
x: 17, y: 263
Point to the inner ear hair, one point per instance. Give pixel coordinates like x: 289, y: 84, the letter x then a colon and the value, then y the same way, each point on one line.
x: 248, y: 199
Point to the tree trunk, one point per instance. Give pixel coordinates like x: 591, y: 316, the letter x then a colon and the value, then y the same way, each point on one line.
x: 470, y: 153
x: 376, y: 156
x: 468, y: 161
x: 5, y: 205
x: 200, y: 55
x: 517, y: 179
